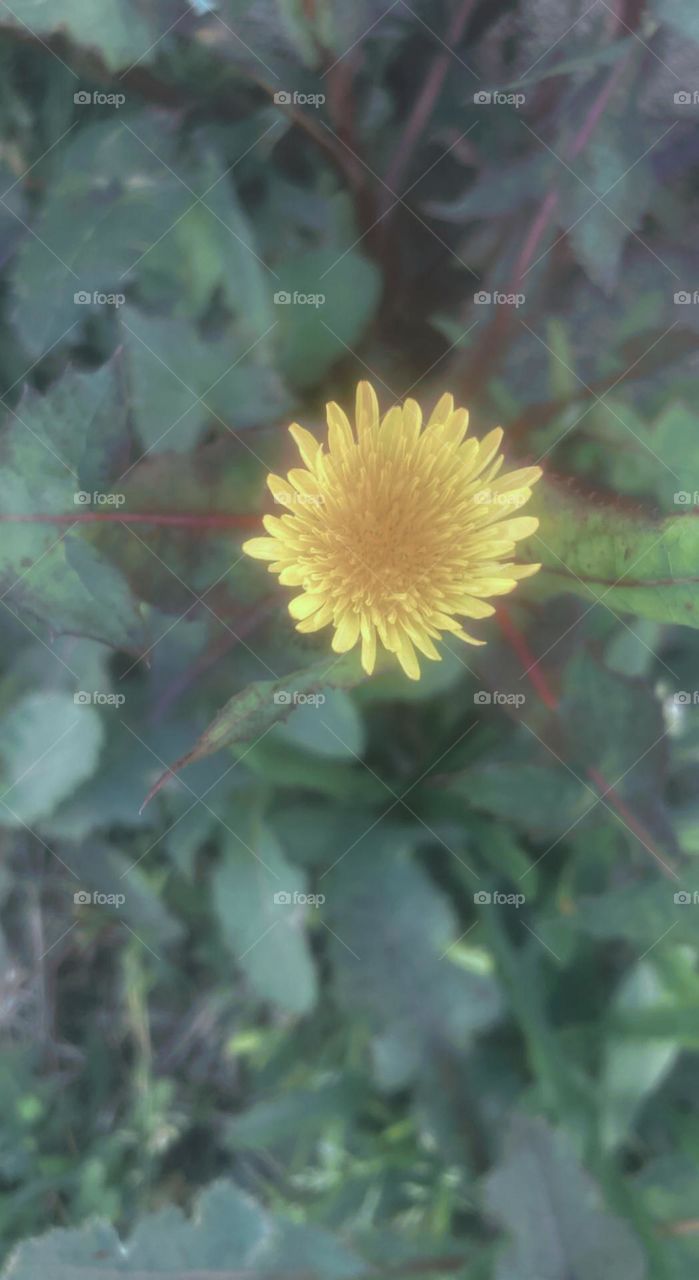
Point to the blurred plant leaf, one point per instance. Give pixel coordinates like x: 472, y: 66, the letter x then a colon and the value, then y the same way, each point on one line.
x: 228, y: 1230
x: 613, y: 553
x: 254, y: 894
x: 392, y: 932
x: 553, y: 1211
x: 315, y: 335
x: 50, y: 573
x: 250, y: 714
x: 120, y: 32
x: 48, y: 746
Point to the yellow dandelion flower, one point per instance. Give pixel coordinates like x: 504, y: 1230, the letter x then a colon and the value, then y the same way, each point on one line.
x: 395, y: 529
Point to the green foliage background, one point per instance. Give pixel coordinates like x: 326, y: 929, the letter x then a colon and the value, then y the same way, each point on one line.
x: 473, y: 1052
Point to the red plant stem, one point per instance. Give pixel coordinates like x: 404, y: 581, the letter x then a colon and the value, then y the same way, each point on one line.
x: 485, y: 354
x: 427, y: 98
x: 519, y: 645
x: 548, y: 205
x: 140, y: 517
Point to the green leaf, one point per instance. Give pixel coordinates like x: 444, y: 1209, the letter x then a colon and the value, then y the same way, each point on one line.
x: 53, y: 444
x: 250, y: 714
x: 277, y: 1120
x: 540, y: 798
x: 613, y: 553
x: 110, y: 200
x: 633, y: 1069
x: 314, y: 335
x: 553, y: 1212
x: 48, y: 746
x: 182, y: 384
x: 118, y: 31
x: 392, y: 931
x: 598, y: 231
x: 682, y: 15
x: 228, y: 1233
x: 614, y: 730
x: 641, y: 459
x: 333, y: 728
x: 255, y: 895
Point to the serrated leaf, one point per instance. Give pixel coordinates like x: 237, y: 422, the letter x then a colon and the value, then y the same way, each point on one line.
x: 249, y: 714
x: 49, y: 573
x: 612, y: 553
x: 228, y: 1234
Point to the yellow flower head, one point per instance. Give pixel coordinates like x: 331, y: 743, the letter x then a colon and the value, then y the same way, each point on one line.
x: 394, y: 529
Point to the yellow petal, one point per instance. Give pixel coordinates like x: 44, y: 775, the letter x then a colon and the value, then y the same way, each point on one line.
x: 316, y: 620
x: 368, y: 632
x: 456, y: 427
x: 367, y: 409
x: 407, y: 657
x: 340, y: 436
x: 443, y: 410
x: 303, y: 606
x: 412, y: 422
x: 292, y: 575
x: 347, y: 632
x: 521, y: 570
x: 262, y: 548
x: 521, y: 479
x: 473, y: 608
x: 306, y: 443
x: 422, y: 641
x: 515, y: 530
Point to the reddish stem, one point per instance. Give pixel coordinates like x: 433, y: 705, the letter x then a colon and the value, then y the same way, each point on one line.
x: 425, y: 103
x: 518, y: 643
x: 141, y: 517
x: 632, y: 823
